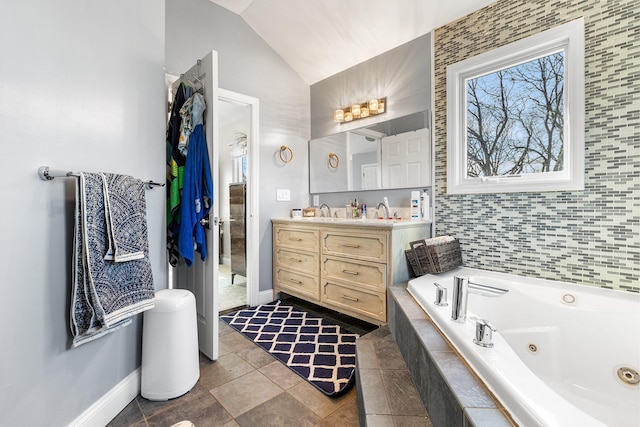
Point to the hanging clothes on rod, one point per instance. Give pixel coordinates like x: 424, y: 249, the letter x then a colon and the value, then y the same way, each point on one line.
x: 175, y: 171
x: 190, y: 193
x: 191, y: 115
x: 197, y: 197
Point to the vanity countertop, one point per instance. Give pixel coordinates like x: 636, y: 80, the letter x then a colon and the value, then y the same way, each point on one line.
x: 356, y: 222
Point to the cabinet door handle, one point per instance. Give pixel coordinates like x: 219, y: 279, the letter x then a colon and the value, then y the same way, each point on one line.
x: 295, y: 260
x: 350, y: 245
x: 347, y: 297
x: 298, y: 239
x: 297, y: 282
x: 353, y: 273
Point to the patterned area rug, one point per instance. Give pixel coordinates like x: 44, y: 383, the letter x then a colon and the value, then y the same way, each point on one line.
x: 319, y: 351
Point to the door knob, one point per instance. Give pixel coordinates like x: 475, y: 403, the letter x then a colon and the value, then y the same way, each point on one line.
x: 207, y: 224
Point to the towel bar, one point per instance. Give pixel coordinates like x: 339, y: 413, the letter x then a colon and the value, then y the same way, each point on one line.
x: 47, y: 174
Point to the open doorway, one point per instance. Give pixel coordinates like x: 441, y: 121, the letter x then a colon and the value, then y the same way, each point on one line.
x: 236, y: 136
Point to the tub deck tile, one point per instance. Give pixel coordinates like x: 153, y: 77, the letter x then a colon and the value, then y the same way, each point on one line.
x: 485, y: 417
x: 402, y: 395
x: 449, y: 390
x: 387, y: 395
x: 465, y: 386
x: 374, y: 395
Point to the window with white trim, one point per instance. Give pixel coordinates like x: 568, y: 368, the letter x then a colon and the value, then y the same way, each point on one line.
x: 515, y: 116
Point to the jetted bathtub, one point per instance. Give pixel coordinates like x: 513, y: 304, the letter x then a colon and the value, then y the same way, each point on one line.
x: 563, y: 354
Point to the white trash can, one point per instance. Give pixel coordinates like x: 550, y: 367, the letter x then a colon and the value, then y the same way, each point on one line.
x: 170, y: 357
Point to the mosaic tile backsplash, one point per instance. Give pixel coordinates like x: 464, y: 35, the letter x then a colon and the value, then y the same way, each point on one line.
x: 592, y: 236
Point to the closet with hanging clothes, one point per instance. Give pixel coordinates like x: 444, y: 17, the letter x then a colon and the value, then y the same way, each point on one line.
x: 189, y: 181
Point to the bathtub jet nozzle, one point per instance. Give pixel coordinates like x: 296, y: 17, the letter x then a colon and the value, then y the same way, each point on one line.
x: 462, y: 286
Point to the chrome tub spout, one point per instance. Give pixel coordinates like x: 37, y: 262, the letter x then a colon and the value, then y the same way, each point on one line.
x: 462, y: 286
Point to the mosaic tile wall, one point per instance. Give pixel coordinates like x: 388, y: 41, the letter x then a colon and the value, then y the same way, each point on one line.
x: 591, y: 236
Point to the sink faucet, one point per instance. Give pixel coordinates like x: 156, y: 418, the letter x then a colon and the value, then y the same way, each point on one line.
x: 386, y: 209
x: 324, y: 205
x: 462, y: 286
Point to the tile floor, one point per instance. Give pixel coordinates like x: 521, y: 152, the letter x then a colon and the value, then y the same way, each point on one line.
x: 231, y: 295
x: 246, y: 386
x: 388, y: 395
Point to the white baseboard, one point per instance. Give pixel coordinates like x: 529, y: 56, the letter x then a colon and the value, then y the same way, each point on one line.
x: 111, y: 404
x: 265, y: 297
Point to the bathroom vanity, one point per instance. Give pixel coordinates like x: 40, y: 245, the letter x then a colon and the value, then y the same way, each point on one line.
x: 343, y: 264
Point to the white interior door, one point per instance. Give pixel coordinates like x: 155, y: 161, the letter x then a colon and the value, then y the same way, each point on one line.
x: 202, y: 277
x: 405, y: 159
x: 369, y: 176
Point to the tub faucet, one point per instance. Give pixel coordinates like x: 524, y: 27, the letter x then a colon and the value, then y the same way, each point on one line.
x: 484, y: 333
x: 324, y: 205
x: 386, y: 209
x: 462, y: 286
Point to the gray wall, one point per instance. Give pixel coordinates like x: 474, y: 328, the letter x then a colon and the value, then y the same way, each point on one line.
x: 401, y: 74
x: 249, y: 66
x: 80, y: 89
x: 321, y: 176
x: 589, y: 236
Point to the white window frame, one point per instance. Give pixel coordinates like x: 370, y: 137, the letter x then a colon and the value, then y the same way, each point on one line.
x: 568, y: 38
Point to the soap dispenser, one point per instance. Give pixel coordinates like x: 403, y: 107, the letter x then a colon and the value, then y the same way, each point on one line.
x: 415, y: 205
x: 425, y: 206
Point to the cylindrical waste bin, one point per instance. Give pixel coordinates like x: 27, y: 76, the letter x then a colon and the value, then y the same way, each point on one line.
x: 170, y: 358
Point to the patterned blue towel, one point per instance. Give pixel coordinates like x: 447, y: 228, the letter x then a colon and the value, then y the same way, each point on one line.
x: 106, y: 293
x: 125, y: 217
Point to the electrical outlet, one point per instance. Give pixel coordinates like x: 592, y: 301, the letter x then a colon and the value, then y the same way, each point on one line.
x: 316, y: 200
x: 283, y: 195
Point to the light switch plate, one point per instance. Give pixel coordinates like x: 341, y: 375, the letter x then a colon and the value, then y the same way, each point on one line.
x: 316, y: 200
x: 283, y: 195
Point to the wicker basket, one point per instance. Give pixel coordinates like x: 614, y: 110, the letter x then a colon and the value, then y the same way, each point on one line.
x: 436, y: 255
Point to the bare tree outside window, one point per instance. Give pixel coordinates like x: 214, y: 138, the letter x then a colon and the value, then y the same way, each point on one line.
x: 515, y: 119
x: 515, y: 116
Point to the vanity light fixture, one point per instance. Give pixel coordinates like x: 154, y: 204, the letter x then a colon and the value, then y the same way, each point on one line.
x: 360, y: 111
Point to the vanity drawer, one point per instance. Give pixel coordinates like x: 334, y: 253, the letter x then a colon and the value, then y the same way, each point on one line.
x: 306, y: 239
x: 372, y: 247
x: 297, y: 284
x: 358, y: 302
x: 363, y: 274
x: 296, y: 260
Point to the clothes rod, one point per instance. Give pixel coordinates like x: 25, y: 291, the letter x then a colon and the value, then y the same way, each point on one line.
x: 47, y: 174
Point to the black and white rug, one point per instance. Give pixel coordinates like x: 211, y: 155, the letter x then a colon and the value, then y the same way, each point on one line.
x: 319, y: 351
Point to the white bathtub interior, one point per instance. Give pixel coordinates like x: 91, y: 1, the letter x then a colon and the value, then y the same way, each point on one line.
x: 557, y: 348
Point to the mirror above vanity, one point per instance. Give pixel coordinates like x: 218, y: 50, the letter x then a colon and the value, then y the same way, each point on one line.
x: 385, y: 155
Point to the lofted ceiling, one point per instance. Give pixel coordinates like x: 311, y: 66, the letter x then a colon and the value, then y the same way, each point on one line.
x: 319, y: 38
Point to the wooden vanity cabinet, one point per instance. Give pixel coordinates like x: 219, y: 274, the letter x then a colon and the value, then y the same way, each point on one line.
x: 296, y: 261
x: 354, y: 272
x: 343, y: 266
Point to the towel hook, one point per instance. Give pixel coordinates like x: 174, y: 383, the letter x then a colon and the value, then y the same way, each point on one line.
x: 283, y: 156
x: 334, y: 160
